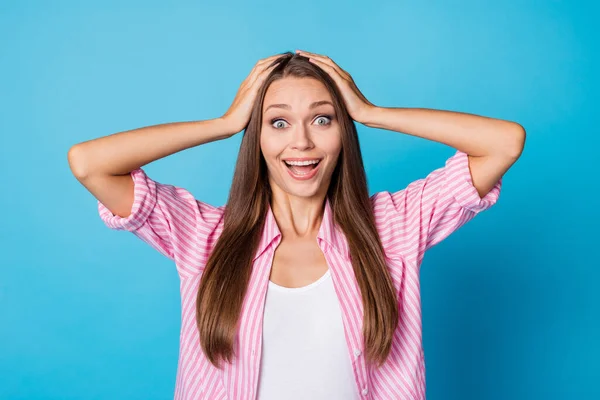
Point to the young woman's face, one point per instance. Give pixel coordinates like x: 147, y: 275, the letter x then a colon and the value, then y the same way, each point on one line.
x: 293, y: 128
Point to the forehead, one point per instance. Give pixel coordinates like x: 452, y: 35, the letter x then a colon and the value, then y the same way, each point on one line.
x: 299, y: 93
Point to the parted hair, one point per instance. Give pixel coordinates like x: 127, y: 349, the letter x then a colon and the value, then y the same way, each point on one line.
x: 225, y: 278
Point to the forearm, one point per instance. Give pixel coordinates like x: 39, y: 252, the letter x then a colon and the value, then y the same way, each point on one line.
x: 469, y: 133
x: 122, y: 152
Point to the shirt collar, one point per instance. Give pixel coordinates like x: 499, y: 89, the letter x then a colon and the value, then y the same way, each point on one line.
x: 328, y: 232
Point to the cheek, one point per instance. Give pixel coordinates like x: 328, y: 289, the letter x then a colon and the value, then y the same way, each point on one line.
x: 272, y: 146
x: 266, y: 147
x: 332, y: 146
x: 270, y: 152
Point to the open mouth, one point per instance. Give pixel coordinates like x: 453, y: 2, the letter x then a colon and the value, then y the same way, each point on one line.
x: 300, y: 170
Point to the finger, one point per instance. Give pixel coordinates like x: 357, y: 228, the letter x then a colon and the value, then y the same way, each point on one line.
x: 273, y: 57
x: 268, y: 59
x: 329, y: 69
x: 313, y: 55
x: 260, y: 66
x: 308, y: 54
x: 327, y: 61
x: 334, y: 72
x: 267, y: 69
x: 262, y: 74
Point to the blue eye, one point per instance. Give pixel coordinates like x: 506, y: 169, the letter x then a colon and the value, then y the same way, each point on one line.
x: 326, y: 117
x: 277, y: 120
x: 320, y: 117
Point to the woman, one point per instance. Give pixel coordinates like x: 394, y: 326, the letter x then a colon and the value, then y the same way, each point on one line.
x: 301, y: 286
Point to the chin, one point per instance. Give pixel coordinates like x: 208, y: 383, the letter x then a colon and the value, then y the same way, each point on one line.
x: 299, y: 190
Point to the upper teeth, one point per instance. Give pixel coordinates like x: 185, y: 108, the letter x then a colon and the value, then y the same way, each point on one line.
x: 302, y: 162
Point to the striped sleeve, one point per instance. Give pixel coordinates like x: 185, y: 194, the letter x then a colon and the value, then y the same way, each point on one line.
x: 428, y: 210
x: 170, y: 220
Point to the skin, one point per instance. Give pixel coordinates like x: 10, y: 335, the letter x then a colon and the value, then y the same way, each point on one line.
x: 492, y: 146
x: 298, y: 205
x: 102, y: 165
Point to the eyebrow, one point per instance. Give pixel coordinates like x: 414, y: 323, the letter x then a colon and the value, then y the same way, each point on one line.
x: 287, y: 107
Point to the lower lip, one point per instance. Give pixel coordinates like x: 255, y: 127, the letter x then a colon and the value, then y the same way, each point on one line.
x: 306, y: 177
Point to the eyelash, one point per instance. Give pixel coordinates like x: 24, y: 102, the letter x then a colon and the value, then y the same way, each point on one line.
x: 319, y: 116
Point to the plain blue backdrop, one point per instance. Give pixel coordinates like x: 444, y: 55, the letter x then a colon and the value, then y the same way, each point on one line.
x: 511, y: 308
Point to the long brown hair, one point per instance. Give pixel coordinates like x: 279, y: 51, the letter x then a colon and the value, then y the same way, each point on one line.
x: 226, y: 275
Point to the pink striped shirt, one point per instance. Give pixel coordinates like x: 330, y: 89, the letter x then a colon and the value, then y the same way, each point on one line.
x: 409, y: 222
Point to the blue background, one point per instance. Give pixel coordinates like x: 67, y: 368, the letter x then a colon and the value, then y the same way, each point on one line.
x: 511, y: 308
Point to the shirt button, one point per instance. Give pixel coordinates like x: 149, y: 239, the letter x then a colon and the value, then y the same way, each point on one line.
x: 365, y: 391
x: 357, y: 352
x: 253, y: 352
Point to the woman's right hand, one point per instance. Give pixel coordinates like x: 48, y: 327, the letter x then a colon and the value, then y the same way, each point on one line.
x: 238, y: 114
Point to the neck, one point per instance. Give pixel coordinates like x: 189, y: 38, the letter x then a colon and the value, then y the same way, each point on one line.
x: 298, y: 217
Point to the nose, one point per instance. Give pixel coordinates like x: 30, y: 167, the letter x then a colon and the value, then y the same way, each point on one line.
x: 301, y: 138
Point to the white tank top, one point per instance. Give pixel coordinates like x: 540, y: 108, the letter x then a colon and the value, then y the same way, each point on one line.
x: 304, y: 353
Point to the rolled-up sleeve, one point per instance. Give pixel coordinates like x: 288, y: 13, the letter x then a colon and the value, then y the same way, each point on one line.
x: 170, y: 220
x: 428, y: 210
x: 144, y: 201
x: 459, y: 182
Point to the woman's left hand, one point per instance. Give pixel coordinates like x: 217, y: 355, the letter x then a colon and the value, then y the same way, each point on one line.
x: 356, y: 103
